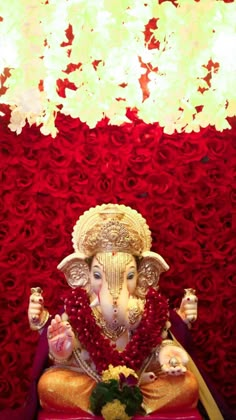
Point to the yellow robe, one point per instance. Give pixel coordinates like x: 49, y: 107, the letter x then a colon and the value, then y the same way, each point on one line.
x: 66, y: 390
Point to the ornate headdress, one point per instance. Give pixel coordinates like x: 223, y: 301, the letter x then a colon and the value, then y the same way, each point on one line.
x: 111, y: 228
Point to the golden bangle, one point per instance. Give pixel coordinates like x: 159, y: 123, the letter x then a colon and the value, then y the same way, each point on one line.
x: 59, y: 361
x: 167, y: 342
x: 163, y: 344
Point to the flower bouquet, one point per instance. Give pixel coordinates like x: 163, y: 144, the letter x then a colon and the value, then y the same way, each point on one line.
x: 117, y: 396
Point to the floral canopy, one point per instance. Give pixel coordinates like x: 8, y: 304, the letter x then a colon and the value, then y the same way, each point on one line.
x: 94, y: 60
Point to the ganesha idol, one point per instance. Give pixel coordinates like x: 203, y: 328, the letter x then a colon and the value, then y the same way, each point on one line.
x: 115, y: 321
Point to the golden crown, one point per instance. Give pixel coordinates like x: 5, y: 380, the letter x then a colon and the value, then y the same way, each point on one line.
x: 111, y: 228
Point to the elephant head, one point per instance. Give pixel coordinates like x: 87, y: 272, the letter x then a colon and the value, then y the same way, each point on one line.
x: 113, y: 262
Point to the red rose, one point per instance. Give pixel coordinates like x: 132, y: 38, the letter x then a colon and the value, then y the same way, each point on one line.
x: 217, y: 174
x: 130, y: 183
x: 79, y: 179
x: 188, y: 147
x: 204, y: 337
x: 228, y: 389
x: 69, y: 128
x: 16, y: 257
x: 157, y: 215
x: 223, y: 246
x: 6, y: 388
x: 92, y: 157
x: 54, y: 240
x: 208, y: 258
x: 193, y: 149
x: 24, y: 178
x: 139, y: 161
x: 216, y: 146
x: 161, y: 184
x: 188, y: 253
x: 53, y: 181
x: 206, y: 283
x: 103, y: 184
x: 118, y: 141
x: 189, y: 175
x: 9, y: 357
x: 10, y: 154
x: 16, y: 177
x: 206, y: 209
x: 166, y: 156
x: 57, y: 157
x: 48, y: 208
x: 5, y: 322
x: 202, y: 190
x: 204, y: 227
x: 75, y: 206
x: 232, y: 193
x: 20, y: 203
x: 147, y: 135
x: 180, y: 230
x: 230, y: 276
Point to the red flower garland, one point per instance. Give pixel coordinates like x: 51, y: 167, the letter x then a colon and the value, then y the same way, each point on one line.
x: 146, y: 337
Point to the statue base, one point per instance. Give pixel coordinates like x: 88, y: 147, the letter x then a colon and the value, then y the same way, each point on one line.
x: 192, y: 414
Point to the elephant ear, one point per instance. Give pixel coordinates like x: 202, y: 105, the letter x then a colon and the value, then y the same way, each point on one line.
x: 150, y: 268
x: 76, y: 270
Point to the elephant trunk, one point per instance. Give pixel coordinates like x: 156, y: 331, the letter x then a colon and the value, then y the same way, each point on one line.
x: 114, y: 310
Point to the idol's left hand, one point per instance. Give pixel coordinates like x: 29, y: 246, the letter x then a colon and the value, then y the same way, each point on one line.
x: 173, y: 359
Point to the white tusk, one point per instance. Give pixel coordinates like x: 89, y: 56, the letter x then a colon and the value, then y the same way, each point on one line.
x: 95, y: 302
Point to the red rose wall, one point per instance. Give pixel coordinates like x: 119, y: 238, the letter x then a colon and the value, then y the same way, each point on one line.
x: 185, y: 187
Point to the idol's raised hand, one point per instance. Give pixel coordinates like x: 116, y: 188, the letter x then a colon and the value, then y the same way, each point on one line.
x: 61, y: 339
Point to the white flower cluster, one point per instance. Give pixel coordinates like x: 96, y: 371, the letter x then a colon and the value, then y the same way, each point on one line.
x: 99, y: 47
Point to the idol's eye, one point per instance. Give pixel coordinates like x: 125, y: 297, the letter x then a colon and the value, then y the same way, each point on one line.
x: 97, y: 275
x: 130, y: 275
